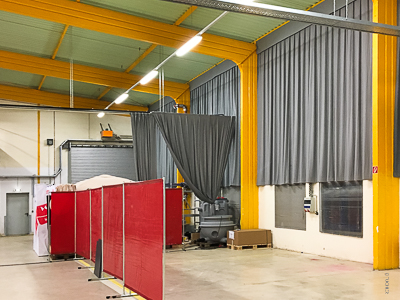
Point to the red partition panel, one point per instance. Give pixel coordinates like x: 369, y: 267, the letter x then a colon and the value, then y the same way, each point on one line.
x: 144, y: 238
x: 62, y: 223
x: 173, y: 218
x: 112, y: 230
x: 83, y: 224
x: 95, y: 220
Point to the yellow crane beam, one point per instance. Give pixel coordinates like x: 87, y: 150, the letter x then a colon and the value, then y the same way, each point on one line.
x: 60, y: 69
x: 34, y: 96
x: 128, y: 26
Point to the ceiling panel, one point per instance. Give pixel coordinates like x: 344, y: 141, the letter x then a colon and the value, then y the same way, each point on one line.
x: 28, y: 35
x: 16, y: 78
x: 150, y: 9
x: 81, y: 89
x: 101, y: 50
x: 179, y: 69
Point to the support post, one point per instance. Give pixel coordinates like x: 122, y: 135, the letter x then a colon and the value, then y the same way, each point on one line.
x: 90, y: 224
x: 75, y: 227
x: 385, y: 186
x: 123, y: 238
x: 248, y: 142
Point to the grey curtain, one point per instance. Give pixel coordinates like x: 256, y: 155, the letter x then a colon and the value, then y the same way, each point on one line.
x: 165, y: 164
x: 199, y: 145
x: 221, y: 95
x: 144, y: 147
x: 315, y: 105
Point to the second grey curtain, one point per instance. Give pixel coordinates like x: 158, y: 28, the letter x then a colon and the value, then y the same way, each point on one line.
x: 165, y: 164
x: 199, y: 145
x: 221, y: 95
x: 315, y: 105
x: 144, y: 147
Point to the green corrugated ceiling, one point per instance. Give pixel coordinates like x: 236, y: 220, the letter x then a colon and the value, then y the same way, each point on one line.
x: 21, y: 34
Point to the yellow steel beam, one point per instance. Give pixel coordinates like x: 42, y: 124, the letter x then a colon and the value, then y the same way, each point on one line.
x: 141, y: 57
x: 186, y: 14
x: 106, y: 90
x: 60, y: 69
x: 248, y: 143
x: 128, y: 26
x: 55, y: 52
x: 60, y: 41
x: 385, y: 186
x: 34, y: 96
x: 152, y: 47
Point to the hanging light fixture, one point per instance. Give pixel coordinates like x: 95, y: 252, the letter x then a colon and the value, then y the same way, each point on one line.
x: 121, y: 98
x: 149, y: 77
x: 100, y: 114
x: 189, y: 45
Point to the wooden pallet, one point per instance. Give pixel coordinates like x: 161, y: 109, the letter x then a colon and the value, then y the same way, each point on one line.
x: 179, y: 246
x: 234, y: 247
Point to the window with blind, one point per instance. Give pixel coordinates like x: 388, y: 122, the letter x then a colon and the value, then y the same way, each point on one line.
x: 341, y: 208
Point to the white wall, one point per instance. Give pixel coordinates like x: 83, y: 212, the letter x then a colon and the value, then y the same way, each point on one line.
x: 19, y: 145
x: 312, y: 240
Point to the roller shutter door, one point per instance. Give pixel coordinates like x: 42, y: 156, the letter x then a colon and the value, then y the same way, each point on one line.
x: 87, y: 162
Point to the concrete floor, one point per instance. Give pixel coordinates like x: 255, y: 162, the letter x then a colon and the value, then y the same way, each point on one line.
x: 203, y: 274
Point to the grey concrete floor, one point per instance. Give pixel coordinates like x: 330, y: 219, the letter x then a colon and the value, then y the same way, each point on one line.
x: 42, y: 281
x: 203, y: 274
x: 272, y: 274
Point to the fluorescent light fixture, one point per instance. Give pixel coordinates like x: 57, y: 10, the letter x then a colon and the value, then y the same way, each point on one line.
x: 148, y: 77
x: 189, y: 45
x: 121, y: 98
x: 100, y: 114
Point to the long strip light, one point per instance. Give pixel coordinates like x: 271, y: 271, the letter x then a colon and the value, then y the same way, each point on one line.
x: 121, y: 98
x: 151, y: 75
x: 193, y: 42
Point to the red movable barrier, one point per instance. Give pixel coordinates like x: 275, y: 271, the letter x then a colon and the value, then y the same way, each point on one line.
x: 173, y: 220
x: 96, y: 220
x: 144, y: 238
x: 62, y: 224
x: 112, y: 230
x: 83, y: 224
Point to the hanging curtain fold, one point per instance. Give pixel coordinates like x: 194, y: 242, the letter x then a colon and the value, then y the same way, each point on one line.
x: 221, y: 95
x: 165, y: 164
x: 315, y: 105
x: 199, y: 145
x: 144, y: 147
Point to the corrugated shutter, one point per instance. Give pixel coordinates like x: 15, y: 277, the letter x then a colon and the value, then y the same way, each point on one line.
x: 87, y: 162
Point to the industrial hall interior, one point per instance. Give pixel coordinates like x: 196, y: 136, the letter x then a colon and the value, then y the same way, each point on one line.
x: 199, y: 149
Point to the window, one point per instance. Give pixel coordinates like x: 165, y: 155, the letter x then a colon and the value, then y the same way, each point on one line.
x: 289, y: 206
x: 341, y: 207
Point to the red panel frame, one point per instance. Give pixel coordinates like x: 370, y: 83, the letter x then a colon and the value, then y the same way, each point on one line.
x: 112, y: 230
x: 95, y: 220
x: 83, y: 224
x: 62, y: 223
x: 144, y: 238
x: 173, y: 219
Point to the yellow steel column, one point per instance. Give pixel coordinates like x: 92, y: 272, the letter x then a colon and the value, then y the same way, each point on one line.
x: 38, y: 144
x: 385, y: 186
x: 248, y: 142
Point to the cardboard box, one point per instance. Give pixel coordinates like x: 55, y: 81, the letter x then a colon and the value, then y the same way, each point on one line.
x: 194, y: 236
x: 249, y: 237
